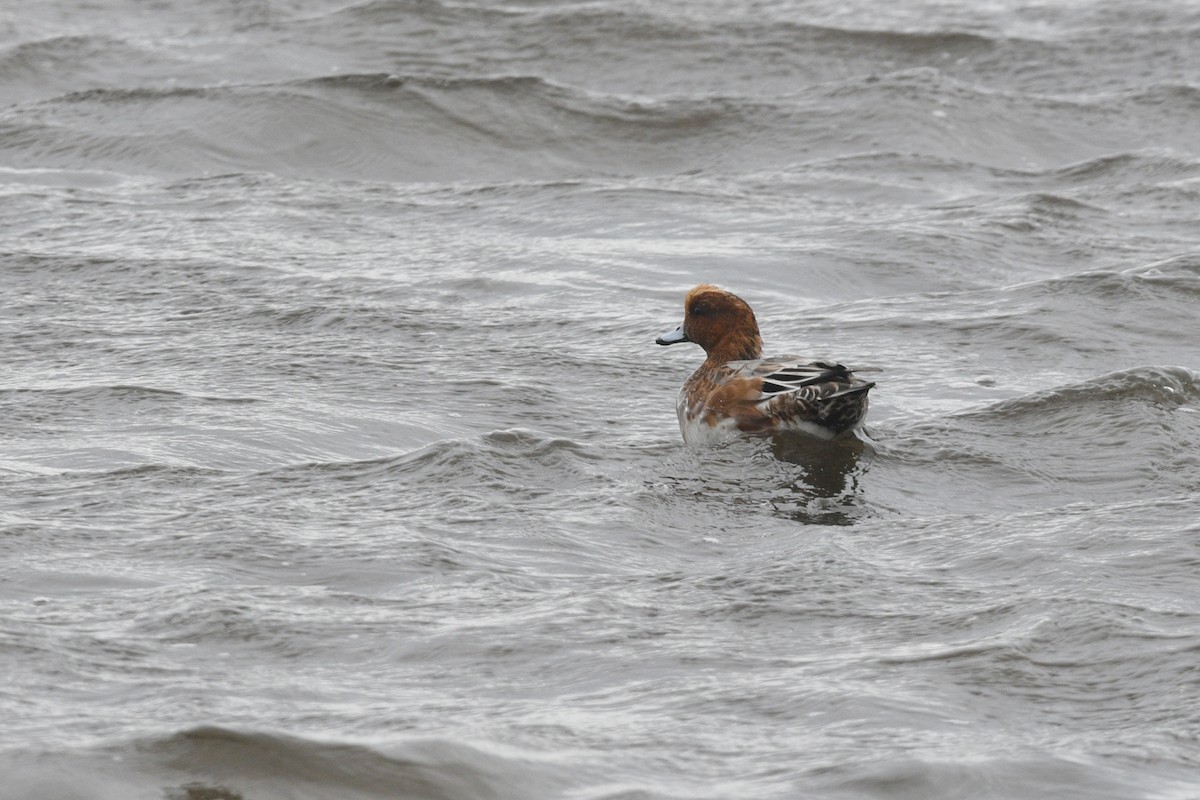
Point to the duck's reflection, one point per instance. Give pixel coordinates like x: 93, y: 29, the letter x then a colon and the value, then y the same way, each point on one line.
x: 826, y: 492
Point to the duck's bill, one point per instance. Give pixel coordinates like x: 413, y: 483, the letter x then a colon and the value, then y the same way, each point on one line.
x: 673, y: 337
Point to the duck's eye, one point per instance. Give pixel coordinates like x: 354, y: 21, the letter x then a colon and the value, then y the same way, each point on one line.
x: 699, y: 309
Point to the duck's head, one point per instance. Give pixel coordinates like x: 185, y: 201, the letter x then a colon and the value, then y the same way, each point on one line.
x: 720, y: 322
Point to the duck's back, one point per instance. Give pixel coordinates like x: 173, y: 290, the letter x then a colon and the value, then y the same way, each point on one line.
x: 773, y: 395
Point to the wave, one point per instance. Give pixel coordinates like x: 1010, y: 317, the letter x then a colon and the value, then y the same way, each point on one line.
x: 34, y: 70
x: 1029, y: 775
x: 1117, y: 436
x: 1164, y: 388
x: 119, y: 392
x: 360, y: 126
x: 1127, y: 168
x: 415, y: 127
x: 217, y: 763
x: 1158, y: 282
x: 1051, y: 324
x: 516, y: 459
x: 636, y: 25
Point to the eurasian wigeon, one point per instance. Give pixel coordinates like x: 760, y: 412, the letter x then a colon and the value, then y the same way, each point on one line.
x: 736, y: 389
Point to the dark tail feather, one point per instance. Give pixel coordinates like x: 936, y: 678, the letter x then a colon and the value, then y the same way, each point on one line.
x: 834, y: 373
x: 861, y: 388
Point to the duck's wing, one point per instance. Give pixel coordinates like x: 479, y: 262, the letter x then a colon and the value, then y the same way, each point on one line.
x: 810, y: 381
x: 775, y: 394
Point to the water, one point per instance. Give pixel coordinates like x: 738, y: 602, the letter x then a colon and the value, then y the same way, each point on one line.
x: 338, y: 460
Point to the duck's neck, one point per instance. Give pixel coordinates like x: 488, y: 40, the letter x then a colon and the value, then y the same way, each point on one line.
x: 737, y: 347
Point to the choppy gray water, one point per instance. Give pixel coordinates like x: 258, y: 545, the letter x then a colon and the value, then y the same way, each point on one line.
x: 337, y: 459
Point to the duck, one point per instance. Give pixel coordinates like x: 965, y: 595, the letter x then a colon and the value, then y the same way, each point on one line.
x: 736, y: 391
